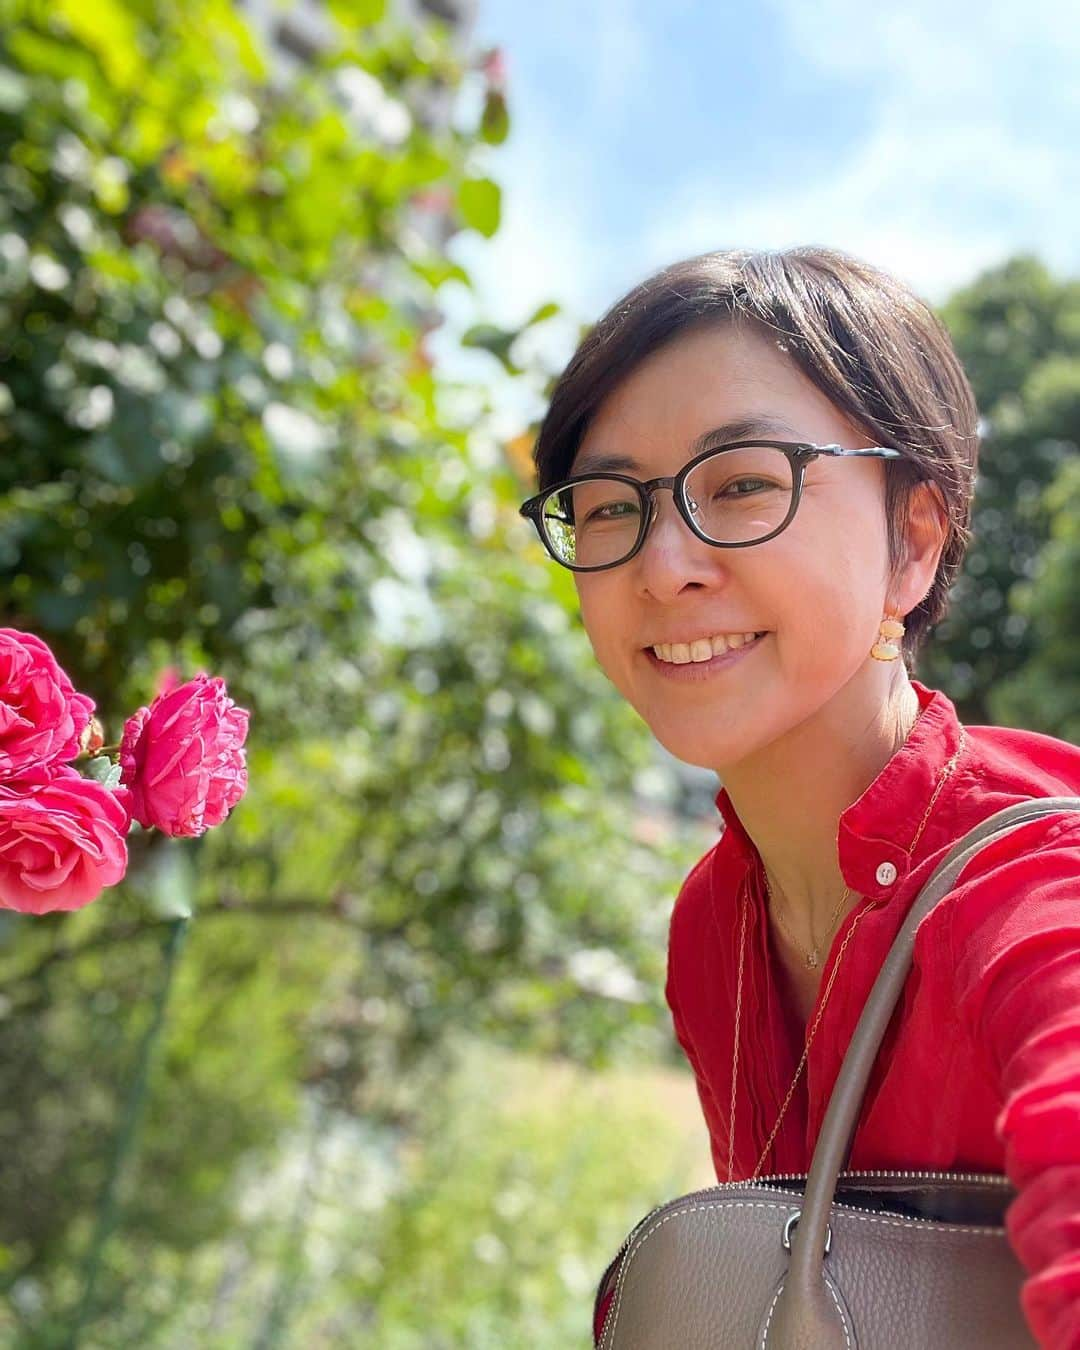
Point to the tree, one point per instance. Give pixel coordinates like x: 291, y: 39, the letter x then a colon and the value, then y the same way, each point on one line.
x: 1017, y: 331
x: 1044, y: 693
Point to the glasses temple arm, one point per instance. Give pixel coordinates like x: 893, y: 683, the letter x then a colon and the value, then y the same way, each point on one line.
x: 878, y: 451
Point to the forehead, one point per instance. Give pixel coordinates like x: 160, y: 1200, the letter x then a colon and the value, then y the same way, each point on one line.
x: 729, y: 378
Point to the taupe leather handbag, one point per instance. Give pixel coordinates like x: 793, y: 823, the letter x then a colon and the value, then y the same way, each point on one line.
x: 834, y: 1260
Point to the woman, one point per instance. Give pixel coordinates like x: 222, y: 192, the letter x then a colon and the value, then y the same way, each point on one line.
x: 786, y: 446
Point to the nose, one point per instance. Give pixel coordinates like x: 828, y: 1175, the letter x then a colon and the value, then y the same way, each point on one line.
x: 672, y: 556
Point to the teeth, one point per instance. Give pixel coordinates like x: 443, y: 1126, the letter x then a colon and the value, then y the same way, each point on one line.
x: 702, y: 649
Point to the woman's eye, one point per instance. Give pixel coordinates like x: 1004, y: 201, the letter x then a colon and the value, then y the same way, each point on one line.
x: 612, y: 511
x: 742, y: 487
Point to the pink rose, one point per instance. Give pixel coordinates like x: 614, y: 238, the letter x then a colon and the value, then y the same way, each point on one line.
x: 493, y: 66
x: 61, y: 840
x: 183, y: 758
x: 42, y: 718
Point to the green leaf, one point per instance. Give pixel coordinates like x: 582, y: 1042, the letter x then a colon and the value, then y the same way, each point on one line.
x: 110, y: 31
x: 547, y: 311
x: 102, y: 769
x: 437, y: 271
x: 354, y: 14
x: 498, y: 341
x: 171, y: 881
x: 480, y: 202
x: 495, y: 120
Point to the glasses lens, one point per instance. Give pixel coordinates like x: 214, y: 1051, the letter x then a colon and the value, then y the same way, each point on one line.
x: 737, y: 496
x: 593, y: 522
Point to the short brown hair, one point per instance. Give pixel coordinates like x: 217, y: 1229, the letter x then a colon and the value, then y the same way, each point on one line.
x: 875, y: 350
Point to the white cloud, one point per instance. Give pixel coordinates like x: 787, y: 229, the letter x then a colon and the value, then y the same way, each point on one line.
x: 969, y: 143
x: 937, y: 50
x: 898, y: 202
x: 958, y: 126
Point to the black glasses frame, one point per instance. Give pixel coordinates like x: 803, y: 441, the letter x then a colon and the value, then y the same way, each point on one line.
x: 799, y: 454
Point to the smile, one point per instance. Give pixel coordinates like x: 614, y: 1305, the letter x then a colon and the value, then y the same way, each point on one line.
x: 696, y: 669
x: 701, y: 649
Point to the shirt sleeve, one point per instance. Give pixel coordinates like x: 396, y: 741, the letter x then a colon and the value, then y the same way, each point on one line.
x: 1016, y: 946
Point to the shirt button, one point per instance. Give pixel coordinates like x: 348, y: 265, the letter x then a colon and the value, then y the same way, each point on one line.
x: 886, y: 874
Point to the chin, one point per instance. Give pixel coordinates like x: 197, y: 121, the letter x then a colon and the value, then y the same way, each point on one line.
x: 702, y: 752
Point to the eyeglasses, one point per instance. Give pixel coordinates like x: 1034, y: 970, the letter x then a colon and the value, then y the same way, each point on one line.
x: 732, y: 496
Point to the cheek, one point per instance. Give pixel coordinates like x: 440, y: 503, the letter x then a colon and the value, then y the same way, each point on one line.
x: 836, y: 597
x: 605, y: 620
x: 589, y: 602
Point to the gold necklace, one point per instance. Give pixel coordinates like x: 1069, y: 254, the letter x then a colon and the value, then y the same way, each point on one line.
x: 813, y: 956
x: 943, y: 778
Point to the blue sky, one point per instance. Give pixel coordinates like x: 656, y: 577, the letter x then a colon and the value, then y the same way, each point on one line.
x: 934, y: 139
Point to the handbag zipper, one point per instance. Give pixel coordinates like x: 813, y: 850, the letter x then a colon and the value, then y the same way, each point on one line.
x: 769, y: 1183
x: 875, y: 1174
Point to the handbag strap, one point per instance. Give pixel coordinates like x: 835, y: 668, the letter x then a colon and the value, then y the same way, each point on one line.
x: 805, y: 1316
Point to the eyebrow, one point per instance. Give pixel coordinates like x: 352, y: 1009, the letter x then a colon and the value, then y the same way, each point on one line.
x: 738, y: 429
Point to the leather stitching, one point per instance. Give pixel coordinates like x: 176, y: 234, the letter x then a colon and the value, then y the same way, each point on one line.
x: 607, y: 1341
x: 835, y: 1299
x: 772, y: 1309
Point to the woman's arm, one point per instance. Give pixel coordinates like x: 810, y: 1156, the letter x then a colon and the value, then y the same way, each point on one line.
x: 1016, y: 945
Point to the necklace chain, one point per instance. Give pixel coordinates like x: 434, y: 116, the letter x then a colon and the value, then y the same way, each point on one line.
x: 813, y: 956
x: 943, y: 778
x: 806, y: 1048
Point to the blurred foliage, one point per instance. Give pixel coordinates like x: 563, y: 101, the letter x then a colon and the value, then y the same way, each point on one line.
x: 225, y: 447
x: 487, y: 1229
x: 1044, y: 693
x: 495, y: 1246
x: 1017, y: 330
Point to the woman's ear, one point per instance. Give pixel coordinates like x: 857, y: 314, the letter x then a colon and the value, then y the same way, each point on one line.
x: 925, y: 532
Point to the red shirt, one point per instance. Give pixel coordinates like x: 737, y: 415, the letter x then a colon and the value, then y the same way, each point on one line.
x: 980, y: 1069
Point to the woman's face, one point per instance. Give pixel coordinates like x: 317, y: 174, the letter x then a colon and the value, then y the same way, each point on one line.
x: 817, y: 592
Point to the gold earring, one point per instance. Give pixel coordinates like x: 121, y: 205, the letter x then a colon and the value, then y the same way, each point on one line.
x: 887, y: 648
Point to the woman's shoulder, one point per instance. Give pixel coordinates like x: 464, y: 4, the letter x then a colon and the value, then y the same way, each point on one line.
x: 1005, y: 766
x: 1027, y: 762
x: 1018, y: 900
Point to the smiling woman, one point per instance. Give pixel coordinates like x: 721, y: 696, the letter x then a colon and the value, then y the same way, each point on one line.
x: 759, y: 468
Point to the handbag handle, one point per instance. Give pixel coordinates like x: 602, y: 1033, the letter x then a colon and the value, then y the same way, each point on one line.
x: 806, y: 1317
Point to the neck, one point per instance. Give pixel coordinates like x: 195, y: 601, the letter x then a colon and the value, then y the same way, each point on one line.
x: 790, y: 795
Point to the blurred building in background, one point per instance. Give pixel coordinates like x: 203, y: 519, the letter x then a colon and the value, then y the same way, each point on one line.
x: 300, y: 29
x: 296, y: 33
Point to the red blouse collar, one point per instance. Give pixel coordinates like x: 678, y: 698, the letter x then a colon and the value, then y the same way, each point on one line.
x: 875, y: 832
